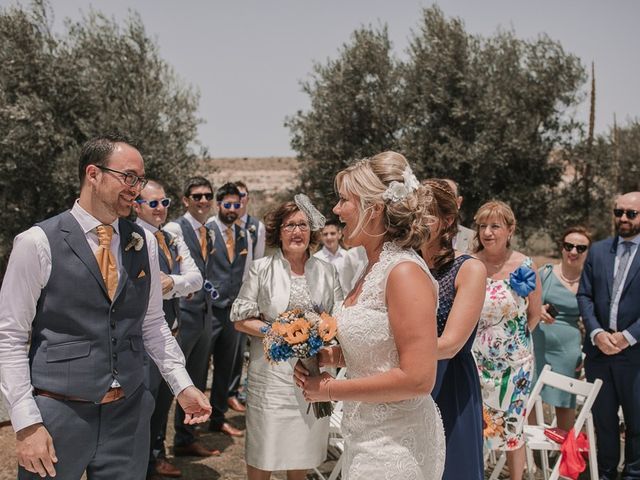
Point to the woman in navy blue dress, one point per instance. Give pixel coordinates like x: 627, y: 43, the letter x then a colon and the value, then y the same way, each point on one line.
x: 462, y: 281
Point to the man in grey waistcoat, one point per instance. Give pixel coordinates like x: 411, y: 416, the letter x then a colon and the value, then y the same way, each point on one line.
x: 194, y: 336
x: 179, y: 277
x: 84, y: 286
x: 256, y: 240
x: 229, y: 255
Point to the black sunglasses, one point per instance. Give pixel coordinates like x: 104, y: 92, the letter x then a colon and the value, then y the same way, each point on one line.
x: 631, y: 214
x: 165, y: 202
x: 198, y: 196
x: 570, y: 246
x: 243, y: 194
x: 209, y: 288
x: 228, y: 205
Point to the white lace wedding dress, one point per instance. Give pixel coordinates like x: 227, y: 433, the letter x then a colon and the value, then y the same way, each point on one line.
x: 397, y: 440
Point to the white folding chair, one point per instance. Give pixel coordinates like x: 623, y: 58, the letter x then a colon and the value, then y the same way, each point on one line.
x: 336, y: 442
x: 534, y: 436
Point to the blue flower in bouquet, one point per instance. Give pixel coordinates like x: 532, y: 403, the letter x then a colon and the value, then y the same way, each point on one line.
x: 523, y: 281
x: 280, y: 352
x: 315, y: 343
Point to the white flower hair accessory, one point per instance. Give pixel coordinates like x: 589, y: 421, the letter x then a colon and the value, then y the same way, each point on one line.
x: 316, y: 219
x: 135, y: 241
x: 397, y: 191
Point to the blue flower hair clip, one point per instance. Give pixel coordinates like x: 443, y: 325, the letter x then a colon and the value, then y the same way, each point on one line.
x: 523, y: 281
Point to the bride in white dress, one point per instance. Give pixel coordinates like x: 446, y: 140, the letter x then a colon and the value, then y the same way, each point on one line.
x: 386, y: 329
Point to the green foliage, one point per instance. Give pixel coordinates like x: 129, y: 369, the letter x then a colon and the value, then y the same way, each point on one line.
x: 486, y: 112
x: 354, y: 112
x: 58, y: 91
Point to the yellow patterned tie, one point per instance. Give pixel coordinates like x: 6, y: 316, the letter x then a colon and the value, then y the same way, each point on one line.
x: 163, y: 245
x: 203, y: 242
x: 106, y: 260
x: 231, y: 243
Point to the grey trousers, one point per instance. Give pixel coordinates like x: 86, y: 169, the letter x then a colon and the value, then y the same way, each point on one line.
x: 108, y: 441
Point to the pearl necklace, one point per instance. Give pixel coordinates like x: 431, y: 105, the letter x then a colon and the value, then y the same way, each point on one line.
x: 566, y: 280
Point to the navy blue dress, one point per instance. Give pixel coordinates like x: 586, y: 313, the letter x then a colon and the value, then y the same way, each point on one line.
x: 457, y: 392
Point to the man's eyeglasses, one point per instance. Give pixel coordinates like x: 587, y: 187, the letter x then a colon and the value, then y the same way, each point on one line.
x: 165, y: 202
x: 211, y: 290
x: 570, y: 246
x: 198, y: 196
x: 129, y: 179
x: 631, y: 214
x: 228, y: 205
x: 290, y: 227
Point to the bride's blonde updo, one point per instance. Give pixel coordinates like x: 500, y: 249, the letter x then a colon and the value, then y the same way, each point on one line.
x: 406, y: 217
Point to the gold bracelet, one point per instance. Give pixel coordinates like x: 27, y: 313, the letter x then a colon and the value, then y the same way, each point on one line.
x: 329, y: 389
x: 340, y: 358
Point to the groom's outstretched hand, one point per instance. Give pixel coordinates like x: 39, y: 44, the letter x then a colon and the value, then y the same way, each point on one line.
x: 34, y: 448
x: 195, y: 404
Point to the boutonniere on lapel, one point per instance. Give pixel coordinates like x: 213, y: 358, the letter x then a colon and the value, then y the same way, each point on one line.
x: 242, y: 234
x: 252, y: 228
x: 212, y: 237
x: 172, y: 240
x: 135, y: 241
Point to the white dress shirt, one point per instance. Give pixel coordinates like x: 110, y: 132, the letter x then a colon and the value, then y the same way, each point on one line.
x: 27, y: 274
x: 613, y: 317
x: 175, y: 228
x: 338, y: 261
x: 189, y: 280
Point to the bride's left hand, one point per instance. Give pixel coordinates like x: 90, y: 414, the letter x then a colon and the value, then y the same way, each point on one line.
x: 314, y: 389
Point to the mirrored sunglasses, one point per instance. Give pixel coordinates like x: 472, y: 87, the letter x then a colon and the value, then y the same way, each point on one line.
x: 165, y: 202
x: 211, y: 290
x: 228, y: 205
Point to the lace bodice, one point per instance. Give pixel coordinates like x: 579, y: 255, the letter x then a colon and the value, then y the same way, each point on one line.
x: 446, y: 279
x: 299, y: 296
x: 385, y: 440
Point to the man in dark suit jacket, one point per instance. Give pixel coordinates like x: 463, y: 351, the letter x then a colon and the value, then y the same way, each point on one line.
x: 609, y: 300
x: 229, y: 255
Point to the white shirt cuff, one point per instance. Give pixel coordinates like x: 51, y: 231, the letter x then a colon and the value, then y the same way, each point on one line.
x: 25, y: 413
x: 178, y: 380
x: 632, y: 341
x: 594, y: 333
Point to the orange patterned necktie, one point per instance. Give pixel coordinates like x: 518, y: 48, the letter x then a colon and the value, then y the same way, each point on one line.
x: 163, y: 245
x: 231, y: 243
x: 203, y: 242
x: 106, y: 260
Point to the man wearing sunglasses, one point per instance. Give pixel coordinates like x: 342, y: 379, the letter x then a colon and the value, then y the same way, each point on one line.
x: 609, y: 301
x: 82, y: 291
x: 256, y: 236
x: 179, y: 277
x: 194, y: 335
x: 229, y: 256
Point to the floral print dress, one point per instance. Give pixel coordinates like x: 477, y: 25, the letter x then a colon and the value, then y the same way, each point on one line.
x: 504, y: 357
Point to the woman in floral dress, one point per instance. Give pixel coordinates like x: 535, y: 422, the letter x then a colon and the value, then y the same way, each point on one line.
x: 503, y: 348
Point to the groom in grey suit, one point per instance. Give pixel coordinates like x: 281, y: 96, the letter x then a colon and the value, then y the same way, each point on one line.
x: 82, y: 291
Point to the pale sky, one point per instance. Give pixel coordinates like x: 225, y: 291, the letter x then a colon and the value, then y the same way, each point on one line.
x: 247, y: 58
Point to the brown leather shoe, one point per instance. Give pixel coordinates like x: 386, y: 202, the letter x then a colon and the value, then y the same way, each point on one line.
x: 228, y: 429
x: 155, y: 476
x: 166, y: 469
x: 195, y: 449
x: 235, y: 404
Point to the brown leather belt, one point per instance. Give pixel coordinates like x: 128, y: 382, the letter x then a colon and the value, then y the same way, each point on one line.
x: 112, y: 395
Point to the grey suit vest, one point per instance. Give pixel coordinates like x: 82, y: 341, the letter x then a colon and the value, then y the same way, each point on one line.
x: 227, y: 276
x: 80, y: 339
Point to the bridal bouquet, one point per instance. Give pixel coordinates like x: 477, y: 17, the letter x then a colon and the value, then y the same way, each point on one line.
x: 300, y: 334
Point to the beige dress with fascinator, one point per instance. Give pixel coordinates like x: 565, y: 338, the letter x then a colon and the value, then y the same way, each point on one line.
x: 280, y: 433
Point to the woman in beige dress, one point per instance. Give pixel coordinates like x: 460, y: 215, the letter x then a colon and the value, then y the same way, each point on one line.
x: 281, y: 435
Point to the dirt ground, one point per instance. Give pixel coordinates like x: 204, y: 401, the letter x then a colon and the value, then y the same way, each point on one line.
x: 228, y: 466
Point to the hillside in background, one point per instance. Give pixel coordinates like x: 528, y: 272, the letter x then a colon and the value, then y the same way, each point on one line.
x: 269, y: 179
